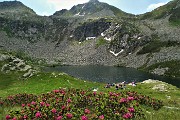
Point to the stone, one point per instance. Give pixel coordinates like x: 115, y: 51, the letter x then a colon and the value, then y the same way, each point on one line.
x: 20, y: 65
x: 27, y: 67
x: 5, y: 67
x: 17, y: 60
x: 4, y: 57
x: 160, y: 71
x: 151, y: 81
x: 29, y: 73
x: 160, y: 87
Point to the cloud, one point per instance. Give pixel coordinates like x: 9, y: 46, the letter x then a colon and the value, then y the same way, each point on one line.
x: 65, y: 4
x: 154, y: 6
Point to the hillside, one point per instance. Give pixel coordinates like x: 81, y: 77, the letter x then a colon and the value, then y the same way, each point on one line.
x: 93, y: 8
x: 95, y: 33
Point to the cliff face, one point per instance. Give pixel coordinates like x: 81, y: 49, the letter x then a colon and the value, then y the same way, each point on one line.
x: 102, y: 35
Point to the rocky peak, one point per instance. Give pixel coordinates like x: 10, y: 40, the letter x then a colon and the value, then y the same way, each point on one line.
x: 7, y: 4
x: 14, y: 7
x: 93, y: 8
x: 94, y: 1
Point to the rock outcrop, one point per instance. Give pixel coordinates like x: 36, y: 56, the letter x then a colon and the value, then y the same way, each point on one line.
x: 15, y: 64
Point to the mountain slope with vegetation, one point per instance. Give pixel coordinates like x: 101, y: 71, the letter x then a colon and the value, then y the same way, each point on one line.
x: 94, y: 33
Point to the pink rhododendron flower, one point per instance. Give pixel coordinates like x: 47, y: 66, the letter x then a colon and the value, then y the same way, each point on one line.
x: 38, y: 115
x: 101, y: 117
x: 28, y: 104
x: 82, y: 93
x: 53, y: 110
x: 8, y: 117
x: 33, y: 103
x: 123, y: 100
x: 23, y: 105
x: 63, y: 92
x: 56, y: 91
x: 94, y: 93
x: 86, y: 111
x: 130, y: 98
x: 84, y: 117
x: 42, y: 103
x: 131, y: 109
x: 59, y: 118
x: 127, y: 115
x: 47, y: 105
x: 69, y: 115
x: 110, y: 93
x: 32, y: 109
x: 63, y: 107
x: 14, y: 118
x: 25, y: 117
x: 69, y: 100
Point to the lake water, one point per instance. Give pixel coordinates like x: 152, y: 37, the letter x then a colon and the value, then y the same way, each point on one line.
x: 109, y: 74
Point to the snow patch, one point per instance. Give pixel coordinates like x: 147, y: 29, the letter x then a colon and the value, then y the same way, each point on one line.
x: 108, y: 39
x: 116, y: 54
x: 117, y: 26
x: 102, y: 34
x: 90, y: 38
x: 139, y: 38
x: 78, y: 14
x: 83, y: 6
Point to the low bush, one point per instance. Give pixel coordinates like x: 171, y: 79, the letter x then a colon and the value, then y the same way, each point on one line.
x: 76, y: 104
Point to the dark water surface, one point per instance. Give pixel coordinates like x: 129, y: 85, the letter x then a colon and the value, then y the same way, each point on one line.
x: 109, y: 74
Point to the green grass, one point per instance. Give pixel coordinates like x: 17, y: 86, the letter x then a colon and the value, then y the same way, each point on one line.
x: 173, y: 71
x: 156, y: 45
x: 175, y: 17
x: 101, y: 41
x: 12, y: 84
x: 41, y: 83
x: 163, y: 114
x: 162, y: 11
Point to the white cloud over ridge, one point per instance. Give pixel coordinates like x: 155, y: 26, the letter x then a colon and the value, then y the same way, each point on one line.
x: 154, y: 6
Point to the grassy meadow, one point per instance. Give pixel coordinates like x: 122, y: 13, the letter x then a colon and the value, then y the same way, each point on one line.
x: 12, y: 84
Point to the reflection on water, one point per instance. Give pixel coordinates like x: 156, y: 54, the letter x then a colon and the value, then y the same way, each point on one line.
x: 109, y: 74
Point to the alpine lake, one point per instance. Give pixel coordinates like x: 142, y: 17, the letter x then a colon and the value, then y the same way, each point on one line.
x: 110, y: 74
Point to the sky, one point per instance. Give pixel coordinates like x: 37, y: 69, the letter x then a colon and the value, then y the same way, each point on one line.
x: 48, y: 7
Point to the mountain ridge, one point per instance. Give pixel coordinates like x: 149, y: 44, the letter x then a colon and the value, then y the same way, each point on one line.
x: 93, y: 7
x: 100, y: 38
x: 15, y: 7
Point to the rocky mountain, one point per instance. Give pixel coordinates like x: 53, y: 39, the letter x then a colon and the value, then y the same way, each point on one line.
x: 14, y: 10
x: 171, y: 9
x: 93, y: 8
x: 95, y: 33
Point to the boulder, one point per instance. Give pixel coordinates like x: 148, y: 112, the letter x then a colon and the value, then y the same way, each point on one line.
x: 160, y: 87
x: 160, y: 71
x: 20, y: 65
x: 17, y: 60
x: 29, y: 73
x: 5, y: 67
x: 151, y: 81
x: 4, y: 57
x: 26, y: 67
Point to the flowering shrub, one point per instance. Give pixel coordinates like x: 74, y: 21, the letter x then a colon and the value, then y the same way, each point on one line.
x: 78, y: 104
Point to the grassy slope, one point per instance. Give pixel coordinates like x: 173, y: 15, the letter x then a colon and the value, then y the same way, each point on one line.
x: 41, y: 83
x: 173, y: 65
x: 45, y: 82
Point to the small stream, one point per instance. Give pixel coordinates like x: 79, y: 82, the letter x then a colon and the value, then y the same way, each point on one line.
x: 110, y: 74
